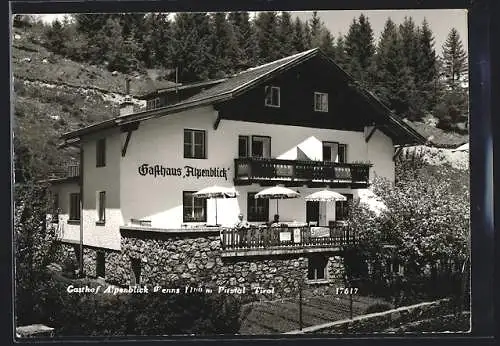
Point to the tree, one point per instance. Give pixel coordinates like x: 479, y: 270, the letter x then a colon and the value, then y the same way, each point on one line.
x: 156, y: 48
x: 245, y: 35
x: 360, y: 48
x: 426, y: 69
x: 316, y: 30
x: 266, y: 25
x: 56, y: 37
x: 285, y: 33
x: 223, y: 46
x: 393, y: 81
x: 326, y: 45
x: 454, y: 61
x: 190, y: 46
x: 298, y: 39
x: 340, y: 53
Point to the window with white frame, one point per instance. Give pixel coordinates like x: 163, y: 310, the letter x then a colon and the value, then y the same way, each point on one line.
x: 334, y: 152
x: 261, y: 146
x: 194, y: 209
x: 272, y: 96
x: 320, y: 102
x: 194, y: 144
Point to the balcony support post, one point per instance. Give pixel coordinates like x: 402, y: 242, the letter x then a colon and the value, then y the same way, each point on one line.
x: 397, y: 152
x: 129, y: 128
x: 367, y: 139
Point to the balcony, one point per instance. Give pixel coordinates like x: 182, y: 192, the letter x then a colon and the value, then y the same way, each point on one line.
x: 68, y: 170
x: 285, y: 240
x: 265, y: 171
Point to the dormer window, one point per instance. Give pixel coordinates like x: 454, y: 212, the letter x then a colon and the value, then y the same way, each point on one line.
x: 272, y: 96
x: 320, y: 102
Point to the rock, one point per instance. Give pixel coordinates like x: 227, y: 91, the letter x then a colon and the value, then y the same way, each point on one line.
x: 186, y: 276
x: 253, y: 267
x: 210, y: 264
x: 191, y: 265
x: 27, y: 59
x: 214, y: 245
x: 45, y: 61
x: 114, y: 73
x: 175, y: 256
x: 197, y: 254
x: 17, y: 37
x: 241, y: 279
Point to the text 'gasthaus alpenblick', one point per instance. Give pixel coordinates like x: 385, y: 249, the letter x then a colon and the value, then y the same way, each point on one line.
x: 184, y: 172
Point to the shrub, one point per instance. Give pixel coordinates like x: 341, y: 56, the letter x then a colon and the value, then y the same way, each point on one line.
x: 377, y: 307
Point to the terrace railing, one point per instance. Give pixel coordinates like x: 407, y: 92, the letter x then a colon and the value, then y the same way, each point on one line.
x: 286, y: 237
x: 67, y: 170
x: 252, y: 169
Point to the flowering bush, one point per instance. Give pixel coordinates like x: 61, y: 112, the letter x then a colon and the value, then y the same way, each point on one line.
x: 426, y: 220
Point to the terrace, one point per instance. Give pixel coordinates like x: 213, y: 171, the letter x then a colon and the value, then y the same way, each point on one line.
x: 267, y: 171
x: 286, y: 239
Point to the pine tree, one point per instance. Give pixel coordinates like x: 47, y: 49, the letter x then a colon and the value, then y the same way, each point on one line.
x: 452, y: 107
x: 426, y: 69
x: 360, y: 48
x: 266, y: 25
x: 190, y: 46
x: 155, y: 49
x: 285, y: 33
x: 454, y: 61
x: 224, y: 48
x: 316, y: 30
x: 394, y: 82
x: 340, y: 54
x: 298, y: 39
x: 244, y: 33
x: 327, y: 45
x: 56, y: 37
x: 307, y: 36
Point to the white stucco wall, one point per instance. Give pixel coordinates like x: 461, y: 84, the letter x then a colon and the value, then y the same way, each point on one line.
x: 97, y: 179
x: 160, y: 141
x: 68, y: 231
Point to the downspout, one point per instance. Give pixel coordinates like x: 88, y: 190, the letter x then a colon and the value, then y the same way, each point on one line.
x: 81, y: 211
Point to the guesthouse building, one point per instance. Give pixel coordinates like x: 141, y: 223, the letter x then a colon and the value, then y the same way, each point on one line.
x: 131, y: 214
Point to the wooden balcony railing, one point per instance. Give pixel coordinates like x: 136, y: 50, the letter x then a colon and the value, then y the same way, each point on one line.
x: 250, y: 170
x: 69, y: 170
x: 286, y: 237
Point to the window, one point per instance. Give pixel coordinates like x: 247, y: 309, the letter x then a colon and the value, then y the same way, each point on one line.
x: 320, y: 102
x: 261, y: 146
x: 135, y: 277
x: 317, y: 268
x: 74, y: 206
x: 101, y: 206
x: 257, y: 208
x: 101, y: 153
x: 342, y: 208
x: 243, y: 148
x: 334, y: 152
x: 194, y: 209
x: 100, y: 264
x: 194, y: 144
x: 272, y: 96
x: 342, y: 153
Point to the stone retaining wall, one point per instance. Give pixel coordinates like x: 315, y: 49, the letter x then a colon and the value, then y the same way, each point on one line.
x: 196, y: 258
x: 380, y: 321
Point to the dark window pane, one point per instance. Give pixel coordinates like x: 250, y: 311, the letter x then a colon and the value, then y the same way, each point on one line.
x: 327, y: 153
x: 243, y: 146
x: 199, y: 137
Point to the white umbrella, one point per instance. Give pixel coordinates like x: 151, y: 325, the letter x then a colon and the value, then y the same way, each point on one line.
x: 277, y: 192
x: 325, y: 196
x: 216, y: 192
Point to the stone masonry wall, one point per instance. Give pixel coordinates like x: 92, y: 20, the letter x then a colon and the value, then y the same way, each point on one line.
x: 197, y: 259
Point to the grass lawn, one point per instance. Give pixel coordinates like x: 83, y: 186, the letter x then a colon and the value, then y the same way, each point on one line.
x: 274, y: 317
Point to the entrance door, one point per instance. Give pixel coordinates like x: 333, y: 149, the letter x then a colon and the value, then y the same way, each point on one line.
x: 100, y: 264
x: 322, y: 214
x: 312, y: 211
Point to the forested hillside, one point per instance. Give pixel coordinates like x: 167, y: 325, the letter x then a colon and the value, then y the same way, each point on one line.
x: 72, y: 73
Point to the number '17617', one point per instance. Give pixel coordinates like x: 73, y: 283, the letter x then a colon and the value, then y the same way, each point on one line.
x: 347, y: 290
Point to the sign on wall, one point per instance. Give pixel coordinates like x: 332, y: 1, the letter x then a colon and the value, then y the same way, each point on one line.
x: 184, y: 172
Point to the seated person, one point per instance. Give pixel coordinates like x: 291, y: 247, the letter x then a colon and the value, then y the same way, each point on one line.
x: 242, y: 223
x: 276, y: 222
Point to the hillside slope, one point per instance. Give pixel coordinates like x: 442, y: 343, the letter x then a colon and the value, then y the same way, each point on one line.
x: 53, y: 95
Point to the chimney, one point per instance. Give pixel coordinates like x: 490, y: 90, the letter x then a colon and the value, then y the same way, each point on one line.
x: 127, y: 106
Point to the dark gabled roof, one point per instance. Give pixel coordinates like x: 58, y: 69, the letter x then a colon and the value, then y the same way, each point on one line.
x: 245, y: 80
x: 179, y: 87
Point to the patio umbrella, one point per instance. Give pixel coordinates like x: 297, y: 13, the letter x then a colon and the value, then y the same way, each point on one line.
x: 277, y: 192
x: 216, y: 192
x: 325, y: 196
